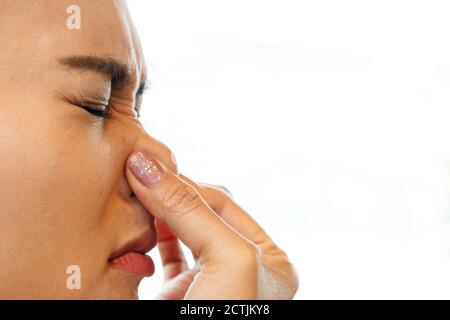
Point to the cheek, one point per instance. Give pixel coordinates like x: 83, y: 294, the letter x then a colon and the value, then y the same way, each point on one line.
x: 51, y: 167
x: 55, y: 180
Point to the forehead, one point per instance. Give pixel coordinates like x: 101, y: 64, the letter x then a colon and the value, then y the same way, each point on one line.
x: 37, y: 32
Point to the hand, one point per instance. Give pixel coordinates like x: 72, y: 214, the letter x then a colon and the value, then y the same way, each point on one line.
x: 235, y: 258
x: 177, y: 275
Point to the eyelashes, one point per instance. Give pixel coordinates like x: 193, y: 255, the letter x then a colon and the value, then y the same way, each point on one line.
x: 100, y: 109
x: 104, y: 111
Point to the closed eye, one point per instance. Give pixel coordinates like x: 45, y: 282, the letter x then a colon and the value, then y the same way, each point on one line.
x: 138, y: 112
x: 102, y: 111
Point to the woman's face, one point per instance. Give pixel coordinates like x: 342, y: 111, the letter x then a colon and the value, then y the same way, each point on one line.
x: 64, y: 197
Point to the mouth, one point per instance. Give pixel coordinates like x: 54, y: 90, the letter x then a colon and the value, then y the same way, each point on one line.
x: 132, y: 256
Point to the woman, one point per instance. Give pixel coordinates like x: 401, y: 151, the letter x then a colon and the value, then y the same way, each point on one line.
x: 86, y: 192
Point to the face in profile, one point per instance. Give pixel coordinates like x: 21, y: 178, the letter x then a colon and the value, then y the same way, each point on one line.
x: 69, y: 106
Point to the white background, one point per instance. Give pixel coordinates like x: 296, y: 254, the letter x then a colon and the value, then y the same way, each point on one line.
x: 327, y: 120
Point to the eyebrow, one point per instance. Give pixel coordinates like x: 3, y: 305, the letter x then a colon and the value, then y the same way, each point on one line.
x: 115, y: 70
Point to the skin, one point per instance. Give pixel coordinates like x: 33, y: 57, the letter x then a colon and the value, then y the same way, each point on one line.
x: 66, y: 194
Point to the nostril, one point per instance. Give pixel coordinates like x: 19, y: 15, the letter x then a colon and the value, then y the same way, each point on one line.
x: 132, y: 195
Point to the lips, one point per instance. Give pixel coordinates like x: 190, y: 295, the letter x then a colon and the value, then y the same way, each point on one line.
x: 132, y: 258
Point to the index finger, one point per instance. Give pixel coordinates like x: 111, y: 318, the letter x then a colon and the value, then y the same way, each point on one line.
x: 182, y: 209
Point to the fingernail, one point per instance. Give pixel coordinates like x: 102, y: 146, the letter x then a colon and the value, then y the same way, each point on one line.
x: 145, y: 168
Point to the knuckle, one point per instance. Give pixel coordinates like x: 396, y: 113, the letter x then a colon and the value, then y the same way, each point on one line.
x: 249, y: 252
x: 218, y: 189
x: 181, y: 199
x: 224, y: 190
x: 248, y: 257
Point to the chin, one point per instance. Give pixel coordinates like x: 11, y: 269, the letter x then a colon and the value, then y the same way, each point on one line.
x: 120, y: 285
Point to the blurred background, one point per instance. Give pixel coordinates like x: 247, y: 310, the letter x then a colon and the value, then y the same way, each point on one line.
x: 327, y: 120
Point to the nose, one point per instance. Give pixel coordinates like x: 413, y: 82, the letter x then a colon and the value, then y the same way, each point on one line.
x: 156, y: 148
x: 137, y: 139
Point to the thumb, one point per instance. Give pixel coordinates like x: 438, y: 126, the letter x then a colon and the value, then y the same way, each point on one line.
x: 178, y: 205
